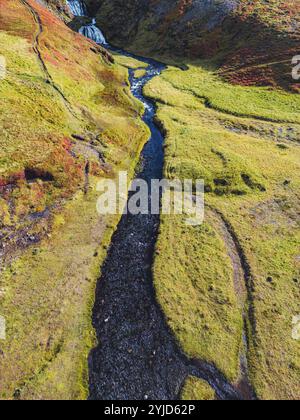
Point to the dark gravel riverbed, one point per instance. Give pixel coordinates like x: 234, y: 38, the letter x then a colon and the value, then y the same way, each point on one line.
x: 137, y: 357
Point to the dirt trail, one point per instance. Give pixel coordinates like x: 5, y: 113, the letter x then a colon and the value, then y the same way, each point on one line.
x: 37, y: 50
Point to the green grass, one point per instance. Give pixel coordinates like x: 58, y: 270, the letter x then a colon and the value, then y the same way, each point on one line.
x: 139, y: 73
x: 197, y: 390
x: 252, y: 178
x: 49, y: 295
x: 253, y: 44
x: 197, y: 293
x: 243, y: 141
x: 47, y: 289
x: 202, y: 81
x: 129, y: 62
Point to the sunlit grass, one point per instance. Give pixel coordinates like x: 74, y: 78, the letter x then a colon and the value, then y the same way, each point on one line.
x: 252, y: 178
x: 47, y: 290
x: 197, y: 390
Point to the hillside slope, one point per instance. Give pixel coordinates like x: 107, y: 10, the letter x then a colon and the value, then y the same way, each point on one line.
x: 230, y: 114
x: 252, y: 40
x: 230, y: 111
x: 67, y: 119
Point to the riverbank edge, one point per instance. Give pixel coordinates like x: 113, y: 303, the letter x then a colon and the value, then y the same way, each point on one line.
x: 33, y: 387
x: 71, y: 360
x: 96, y: 269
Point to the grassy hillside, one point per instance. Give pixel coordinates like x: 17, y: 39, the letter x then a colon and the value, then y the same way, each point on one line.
x: 230, y: 110
x: 67, y: 119
x: 252, y: 41
x: 244, y: 143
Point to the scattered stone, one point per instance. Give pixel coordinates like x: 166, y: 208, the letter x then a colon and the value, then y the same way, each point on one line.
x: 282, y: 146
x: 78, y: 137
x: 17, y: 394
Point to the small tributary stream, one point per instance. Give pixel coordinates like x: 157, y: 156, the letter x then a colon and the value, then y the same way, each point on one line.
x: 137, y: 356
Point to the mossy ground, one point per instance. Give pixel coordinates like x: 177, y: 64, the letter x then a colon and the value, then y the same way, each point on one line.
x: 139, y: 73
x: 41, y: 138
x: 129, y: 62
x: 197, y: 292
x: 47, y: 288
x: 197, y: 390
x: 253, y: 43
x: 244, y: 143
x: 47, y: 305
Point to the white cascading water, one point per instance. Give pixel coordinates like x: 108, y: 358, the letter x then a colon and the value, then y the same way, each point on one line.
x: 77, y: 7
x: 92, y: 32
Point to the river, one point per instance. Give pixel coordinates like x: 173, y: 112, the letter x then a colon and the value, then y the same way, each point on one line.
x: 137, y: 357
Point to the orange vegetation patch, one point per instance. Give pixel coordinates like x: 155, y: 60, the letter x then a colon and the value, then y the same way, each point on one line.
x: 265, y: 37
x: 15, y: 19
x: 61, y: 47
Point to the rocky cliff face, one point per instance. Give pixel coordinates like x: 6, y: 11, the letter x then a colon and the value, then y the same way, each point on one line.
x: 59, y: 7
x: 165, y: 26
x: 241, y: 34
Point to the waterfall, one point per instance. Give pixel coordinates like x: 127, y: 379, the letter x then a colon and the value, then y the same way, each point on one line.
x: 77, y: 7
x: 92, y: 32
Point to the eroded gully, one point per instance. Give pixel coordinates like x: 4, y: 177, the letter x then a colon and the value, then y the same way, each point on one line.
x: 137, y: 356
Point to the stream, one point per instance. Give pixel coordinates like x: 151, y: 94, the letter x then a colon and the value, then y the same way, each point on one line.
x: 137, y: 357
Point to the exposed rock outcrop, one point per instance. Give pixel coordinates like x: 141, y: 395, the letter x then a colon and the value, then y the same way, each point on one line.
x: 161, y: 26
x: 254, y: 41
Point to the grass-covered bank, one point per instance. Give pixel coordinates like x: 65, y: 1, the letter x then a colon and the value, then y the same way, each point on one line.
x: 49, y: 295
x: 68, y: 119
x: 243, y: 142
x: 197, y: 390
